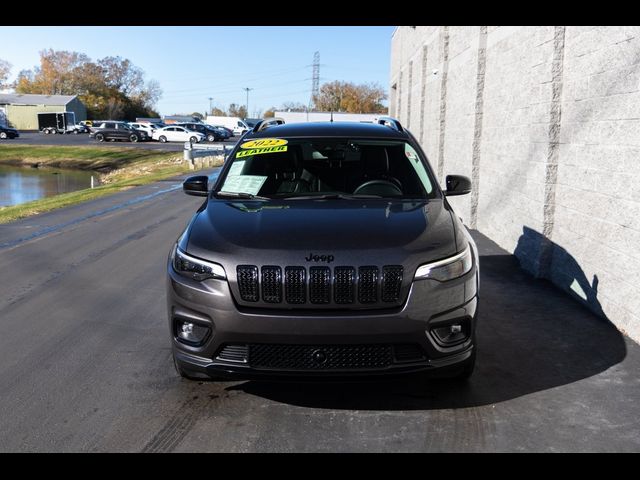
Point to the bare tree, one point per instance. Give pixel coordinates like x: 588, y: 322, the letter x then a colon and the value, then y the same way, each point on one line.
x: 5, y: 69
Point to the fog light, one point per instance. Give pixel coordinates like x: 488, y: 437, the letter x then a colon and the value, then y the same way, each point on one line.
x: 451, y: 333
x: 191, y: 332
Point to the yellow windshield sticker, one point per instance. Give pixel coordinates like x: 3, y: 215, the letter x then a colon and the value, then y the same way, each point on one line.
x: 258, y: 151
x: 264, y: 142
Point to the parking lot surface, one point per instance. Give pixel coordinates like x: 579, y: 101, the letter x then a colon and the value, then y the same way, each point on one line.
x: 85, y: 359
x: 83, y: 139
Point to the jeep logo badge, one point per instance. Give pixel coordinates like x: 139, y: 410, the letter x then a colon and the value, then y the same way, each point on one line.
x: 319, y: 258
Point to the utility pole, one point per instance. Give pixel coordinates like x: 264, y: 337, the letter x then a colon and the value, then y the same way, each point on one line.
x: 315, y: 78
x: 247, y: 89
x: 210, y: 106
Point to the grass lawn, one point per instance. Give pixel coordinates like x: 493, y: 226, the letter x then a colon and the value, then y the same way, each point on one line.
x: 126, y: 167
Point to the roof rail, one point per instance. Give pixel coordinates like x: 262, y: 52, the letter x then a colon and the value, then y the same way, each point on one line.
x: 266, y: 123
x: 391, y: 122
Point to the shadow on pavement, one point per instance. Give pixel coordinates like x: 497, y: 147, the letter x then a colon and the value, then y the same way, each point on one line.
x: 531, y: 337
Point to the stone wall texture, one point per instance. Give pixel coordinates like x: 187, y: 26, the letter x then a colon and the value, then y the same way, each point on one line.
x: 546, y: 123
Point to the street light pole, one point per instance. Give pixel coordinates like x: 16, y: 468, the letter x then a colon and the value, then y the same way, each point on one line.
x: 210, y: 106
x: 247, y: 89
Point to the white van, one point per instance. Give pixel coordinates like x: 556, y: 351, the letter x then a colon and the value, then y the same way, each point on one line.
x: 234, y: 123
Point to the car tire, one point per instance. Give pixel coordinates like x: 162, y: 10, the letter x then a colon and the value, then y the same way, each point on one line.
x: 211, y: 138
x: 133, y: 138
x: 75, y: 132
x: 193, y: 140
x: 162, y: 139
x: 53, y: 131
x: 45, y: 131
x: 100, y: 137
x: 3, y: 135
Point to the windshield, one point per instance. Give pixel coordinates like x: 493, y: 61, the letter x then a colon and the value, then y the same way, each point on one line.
x: 339, y: 168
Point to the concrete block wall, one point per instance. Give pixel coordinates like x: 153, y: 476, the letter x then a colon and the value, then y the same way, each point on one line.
x: 546, y: 123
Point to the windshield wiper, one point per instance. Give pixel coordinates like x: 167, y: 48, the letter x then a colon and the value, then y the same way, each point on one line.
x: 250, y: 196
x: 328, y: 196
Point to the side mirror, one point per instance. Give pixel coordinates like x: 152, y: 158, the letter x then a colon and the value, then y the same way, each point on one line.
x: 197, y: 186
x: 457, y: 185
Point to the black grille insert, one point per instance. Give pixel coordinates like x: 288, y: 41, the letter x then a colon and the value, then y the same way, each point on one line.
x: 272, y: 284
x: 248, y: 282
x: 320, y: 357
x: 344, y: 285
x: 319, y: 285
x: 295, y: 285
x: 368, y: 285
x: 391, y: 283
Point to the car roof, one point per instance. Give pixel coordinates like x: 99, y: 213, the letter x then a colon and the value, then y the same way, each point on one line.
x: 330, y: 129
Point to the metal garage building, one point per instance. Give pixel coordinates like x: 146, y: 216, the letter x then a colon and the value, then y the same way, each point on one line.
x: 21, y: 110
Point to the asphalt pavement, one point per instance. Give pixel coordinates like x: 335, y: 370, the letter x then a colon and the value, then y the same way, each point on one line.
x: 83, y: 139
x: 85, y: 359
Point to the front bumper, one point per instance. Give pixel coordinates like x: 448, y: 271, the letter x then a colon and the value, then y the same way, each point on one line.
x: 429, y: 304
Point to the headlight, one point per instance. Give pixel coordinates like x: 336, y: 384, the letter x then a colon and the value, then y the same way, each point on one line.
x: 195, y: 268
x: 447, y: 269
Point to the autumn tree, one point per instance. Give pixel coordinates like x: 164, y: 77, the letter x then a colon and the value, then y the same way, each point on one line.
x: 217, y: 112
x: 237, y: 111
x: 112, y: 87
x: 348, y: 97
x: 5, y: 69
x: 269, y: 113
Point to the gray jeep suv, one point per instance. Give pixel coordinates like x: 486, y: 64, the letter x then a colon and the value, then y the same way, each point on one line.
x: 324, y: 249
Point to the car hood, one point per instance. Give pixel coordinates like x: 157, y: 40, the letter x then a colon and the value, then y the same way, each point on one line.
x: 352, y: 232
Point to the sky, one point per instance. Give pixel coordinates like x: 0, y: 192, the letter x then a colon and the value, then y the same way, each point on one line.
x: 193, y: 64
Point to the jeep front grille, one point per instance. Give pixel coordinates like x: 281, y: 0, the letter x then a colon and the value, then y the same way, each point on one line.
x: 342, y: 285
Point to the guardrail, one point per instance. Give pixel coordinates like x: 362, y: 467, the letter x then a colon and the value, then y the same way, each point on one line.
x: 202, y: 155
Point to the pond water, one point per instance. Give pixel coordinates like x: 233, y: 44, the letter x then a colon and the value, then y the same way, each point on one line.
x: 24, y: 184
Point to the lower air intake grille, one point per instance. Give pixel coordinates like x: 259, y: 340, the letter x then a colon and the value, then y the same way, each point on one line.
x: 234, y: 353
x: 320, y: 357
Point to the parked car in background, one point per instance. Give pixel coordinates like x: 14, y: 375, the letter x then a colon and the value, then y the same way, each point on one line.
x: 228, y: 131
x: 7, y: 132
x: 224, y: 132
x: 114, y: 130
x: 174, y: 133
x: 210, y: 133
x: 147, y: 128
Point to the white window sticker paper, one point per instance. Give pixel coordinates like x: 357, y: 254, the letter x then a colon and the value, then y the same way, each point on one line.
x: 244, y: 184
